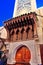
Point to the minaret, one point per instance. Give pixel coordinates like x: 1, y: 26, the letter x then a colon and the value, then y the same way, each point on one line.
x: 24, y: 6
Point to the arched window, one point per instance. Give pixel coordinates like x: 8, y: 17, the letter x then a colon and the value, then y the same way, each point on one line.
x: 22, y: 32
x: 27, y: 30
x: 17, y: 33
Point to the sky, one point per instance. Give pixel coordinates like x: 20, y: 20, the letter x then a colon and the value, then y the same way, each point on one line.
x: 7, y: 9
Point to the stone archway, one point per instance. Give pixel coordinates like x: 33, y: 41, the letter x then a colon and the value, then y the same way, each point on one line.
x: 23, y: 55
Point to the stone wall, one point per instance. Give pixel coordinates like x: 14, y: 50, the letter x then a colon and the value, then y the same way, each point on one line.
x: 35, y: 52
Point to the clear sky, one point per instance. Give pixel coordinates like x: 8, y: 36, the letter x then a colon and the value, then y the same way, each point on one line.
x: 7, y: 8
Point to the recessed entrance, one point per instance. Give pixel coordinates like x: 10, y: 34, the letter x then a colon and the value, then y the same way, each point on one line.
x: 23, y: 56
x: 41, y: 51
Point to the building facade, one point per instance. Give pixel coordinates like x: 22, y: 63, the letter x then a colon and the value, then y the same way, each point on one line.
x: 23, y: 48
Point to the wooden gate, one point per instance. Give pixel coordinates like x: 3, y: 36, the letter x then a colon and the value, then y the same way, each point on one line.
x: 23, y: 56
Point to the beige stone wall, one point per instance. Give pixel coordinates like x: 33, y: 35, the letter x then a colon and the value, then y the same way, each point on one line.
x: 40, y: 24
x: 16, y: 45
x: 40, y: 12
x: 3, y: 33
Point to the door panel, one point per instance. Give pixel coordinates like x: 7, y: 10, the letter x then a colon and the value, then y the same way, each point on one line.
x: 23, y: 55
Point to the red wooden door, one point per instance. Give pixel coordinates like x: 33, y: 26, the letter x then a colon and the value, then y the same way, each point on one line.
x: 23, y: 55
x: 41, y: 51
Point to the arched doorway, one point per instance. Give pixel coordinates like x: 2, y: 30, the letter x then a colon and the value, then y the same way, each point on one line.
x: 23, y: 56
x: 41, y: 52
